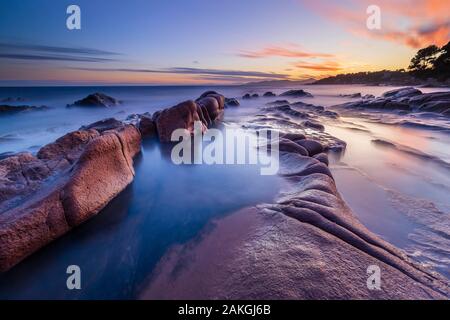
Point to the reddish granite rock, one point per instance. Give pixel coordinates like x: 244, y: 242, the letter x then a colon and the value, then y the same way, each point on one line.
x: 147, y: 126
x: 207, y: 109
x: 69, y: 181
x: 181, y: 116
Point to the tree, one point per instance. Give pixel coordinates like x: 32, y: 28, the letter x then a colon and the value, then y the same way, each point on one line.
x: 441, y: 65
x: 424, y: 59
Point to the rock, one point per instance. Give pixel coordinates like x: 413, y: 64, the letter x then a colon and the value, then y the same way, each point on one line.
x: 308, y: 106
x: 406, y: 100
x: 286, y: 109
x: 40, y: 201
x: 220, y: 98
x: 278, y: 102
x: 312, y: 146
x: 285, y: 145
x: 292, y: 136
x: 207, y: 109
x: 322, y: 157
x: 250, y: 96
x: 313, y: 125
x: 402, y: 93
x: 309, y: 236
x: 352, y: 95
x: 103, y: 125
x: 231, y: 102
x: 207, y: 93
x: 181, y: 116
x: 147, y: 126
x: 296, y: 93
x: 7, y: 109
x: 5, y: 155
x: 96, y: 100
x: 67, y: 149
x: 330, y: 114
x: 269, y: 94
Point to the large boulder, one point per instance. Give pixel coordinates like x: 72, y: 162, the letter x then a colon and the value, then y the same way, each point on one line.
x: 69, y: 181
x: 181, y: 116
x: 207, y: 109
x: 147, y: 126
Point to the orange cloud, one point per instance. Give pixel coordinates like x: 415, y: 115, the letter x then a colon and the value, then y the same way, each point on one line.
x: 414, y: 23
x: 275, y: 51
x: 322, y: 66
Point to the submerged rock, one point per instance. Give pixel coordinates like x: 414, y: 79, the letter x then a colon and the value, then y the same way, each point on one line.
x: 406, y: 99
x: 269, y: 94
x: 250, y: 96
x: 96, y: 100
x: 232, y: 102
x: 8, y: 109
x: 351, y: 95
x: 278, y: 102
x: 296, y: 93
x: 407, y: 92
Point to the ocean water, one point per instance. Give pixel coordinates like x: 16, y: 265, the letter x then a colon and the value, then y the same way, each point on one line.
x: 401, y: 196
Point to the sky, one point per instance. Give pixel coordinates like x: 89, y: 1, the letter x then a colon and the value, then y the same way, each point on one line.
x: 210, y: 41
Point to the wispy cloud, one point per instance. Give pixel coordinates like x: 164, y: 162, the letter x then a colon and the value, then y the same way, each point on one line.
x: 33, y: 57
x: 195, y: 71
x: 322, y: 66
x: 414, y: 23
x: 33, y: 52
x: 286, y: 52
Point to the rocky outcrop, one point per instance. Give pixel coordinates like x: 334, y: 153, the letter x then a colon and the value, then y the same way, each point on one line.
x: 67, y: 182
x: 407, y: 92
x: 296, y: 93
x: 8, y: 109
x: 147, y: 126
x: 250, y: 96
x: 269, y: 94
x: 405, y: 99
x: 307, y: 244
x: 231, y: 102
x: 207, y: 109
x: 96, y: 100
x: 278, y: 102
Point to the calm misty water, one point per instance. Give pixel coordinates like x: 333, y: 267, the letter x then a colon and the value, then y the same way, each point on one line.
x: 392, y: 192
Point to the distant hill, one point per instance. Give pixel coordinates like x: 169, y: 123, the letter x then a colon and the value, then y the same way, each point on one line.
x: 430, y: 66
x: 279, y: 83
x: 373, y: 78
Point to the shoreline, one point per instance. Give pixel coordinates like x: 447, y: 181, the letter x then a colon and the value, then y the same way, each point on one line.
x: 310, y: 168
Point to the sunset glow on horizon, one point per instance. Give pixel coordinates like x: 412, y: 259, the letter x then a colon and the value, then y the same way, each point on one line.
x: 211, y: 42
